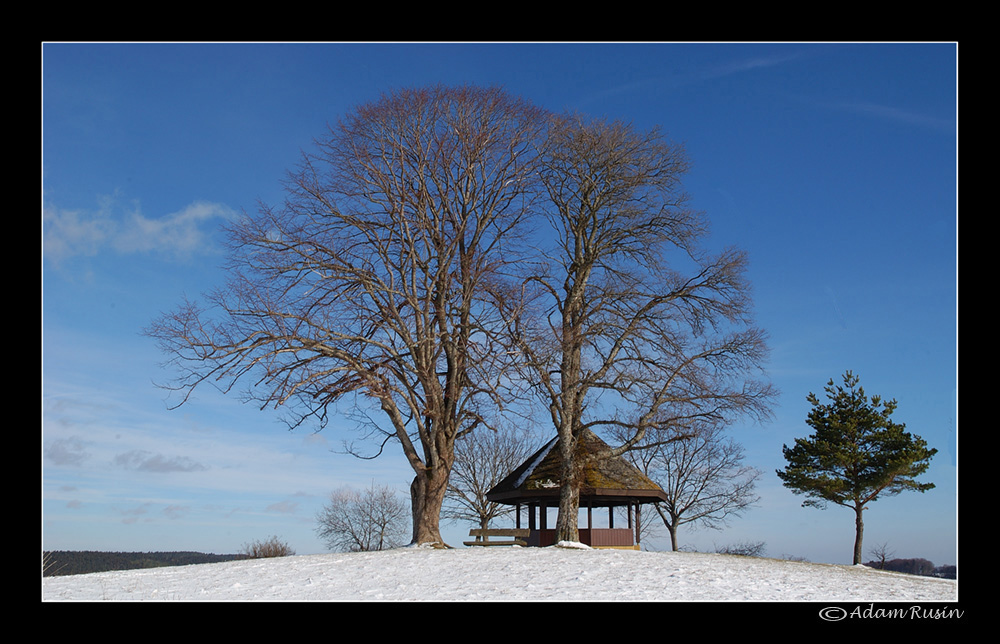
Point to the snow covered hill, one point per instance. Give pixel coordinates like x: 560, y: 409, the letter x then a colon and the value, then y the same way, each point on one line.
x: 504, y: 574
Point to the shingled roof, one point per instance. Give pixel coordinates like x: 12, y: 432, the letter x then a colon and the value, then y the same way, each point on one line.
x: 608, y: 481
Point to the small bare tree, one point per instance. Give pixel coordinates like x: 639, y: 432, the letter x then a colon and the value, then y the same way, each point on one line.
x: 743, y: 549
x: 361, y: 521
x: 483, y: 459
x: 614, y: 331
x: 704, y: 478
x: 882, y: 553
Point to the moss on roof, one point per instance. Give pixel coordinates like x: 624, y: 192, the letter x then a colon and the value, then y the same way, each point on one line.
x: 542, y: 472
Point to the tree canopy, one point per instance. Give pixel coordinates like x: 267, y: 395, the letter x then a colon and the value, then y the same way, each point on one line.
x: 627, y: 324
x: 401, y: 278
x: 365, y: 285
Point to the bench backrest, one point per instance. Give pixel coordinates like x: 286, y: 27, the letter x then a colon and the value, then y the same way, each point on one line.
x: 499, y: 532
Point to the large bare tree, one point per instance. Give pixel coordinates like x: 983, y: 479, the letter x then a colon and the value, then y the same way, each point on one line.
x: 364, y: 286
x: 625, y: 323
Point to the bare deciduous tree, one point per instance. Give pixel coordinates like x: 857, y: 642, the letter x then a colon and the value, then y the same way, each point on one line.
x: 881, y: 553
x: 743, y: 549
x: 363, y: 287
x: 362, y: 521
x: 703, y: 477
x: 483, y: 459
x: 614, y: 331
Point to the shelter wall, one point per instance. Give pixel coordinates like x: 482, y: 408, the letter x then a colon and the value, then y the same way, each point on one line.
x: 593, y: 537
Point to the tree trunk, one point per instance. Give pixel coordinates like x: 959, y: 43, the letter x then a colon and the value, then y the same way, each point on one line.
x: 671, y: 522
x: 859, y: 532
x: 567, y: 528
x: 426, y: 497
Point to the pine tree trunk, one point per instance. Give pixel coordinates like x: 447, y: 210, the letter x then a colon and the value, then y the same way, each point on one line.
x: 859, y: 532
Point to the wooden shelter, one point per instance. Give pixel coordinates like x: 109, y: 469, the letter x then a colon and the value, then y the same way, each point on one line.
x: 607, y: 483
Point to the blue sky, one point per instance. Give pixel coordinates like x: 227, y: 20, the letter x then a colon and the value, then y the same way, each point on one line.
x: 833, y: 165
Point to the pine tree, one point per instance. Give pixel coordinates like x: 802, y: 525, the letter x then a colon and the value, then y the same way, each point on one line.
x: 856, y: 454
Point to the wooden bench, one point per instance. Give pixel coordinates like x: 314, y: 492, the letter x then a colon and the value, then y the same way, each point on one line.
x: 483, y: 537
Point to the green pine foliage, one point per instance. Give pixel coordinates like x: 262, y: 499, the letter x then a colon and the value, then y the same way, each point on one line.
x: 857, y: 453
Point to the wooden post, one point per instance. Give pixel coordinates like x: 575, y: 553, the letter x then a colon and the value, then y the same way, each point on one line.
x: 637, y: 523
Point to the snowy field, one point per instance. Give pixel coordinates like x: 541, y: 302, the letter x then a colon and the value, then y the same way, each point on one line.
x: 504, y: 574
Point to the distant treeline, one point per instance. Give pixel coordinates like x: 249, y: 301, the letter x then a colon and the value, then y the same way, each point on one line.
x: 916, y: 567
x: 64, y: 562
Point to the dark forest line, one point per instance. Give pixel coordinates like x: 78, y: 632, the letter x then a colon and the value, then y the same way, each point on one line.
x: 916, y: 566
x: 65, y: 562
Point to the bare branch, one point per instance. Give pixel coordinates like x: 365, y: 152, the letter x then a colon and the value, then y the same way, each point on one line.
x: 624, y: 323
x: 366, y: 283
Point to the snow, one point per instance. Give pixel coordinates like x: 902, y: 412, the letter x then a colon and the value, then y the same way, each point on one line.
x: 568, y: 572
x: 542, y: 453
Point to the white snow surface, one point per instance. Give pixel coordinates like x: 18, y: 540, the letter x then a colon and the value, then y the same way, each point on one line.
x: 568, y: 572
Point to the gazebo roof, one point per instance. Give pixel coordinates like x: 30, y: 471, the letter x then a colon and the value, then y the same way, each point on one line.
x: 608, y: 481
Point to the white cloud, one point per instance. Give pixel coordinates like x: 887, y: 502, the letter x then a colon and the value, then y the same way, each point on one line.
x: 148, y: 462
x: 749, y: 64
x: 895, y: 114
x: 74, y: 233
x: 66, y: 451
x: 70, y: 232
x: 283, y: 507
x: 181, y: 232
